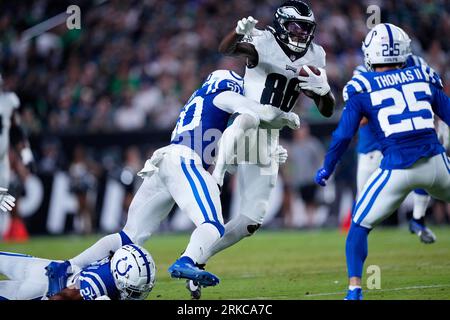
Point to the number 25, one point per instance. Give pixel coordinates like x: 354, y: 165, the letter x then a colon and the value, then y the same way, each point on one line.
x: 401, y: 102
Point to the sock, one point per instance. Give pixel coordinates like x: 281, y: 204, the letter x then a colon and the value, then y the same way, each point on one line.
x: 354, y: 287
x: 356, y: 250
x: 99, y: 250
x: 421, y: 202
x: 202, y: 238
x: 235, y: 230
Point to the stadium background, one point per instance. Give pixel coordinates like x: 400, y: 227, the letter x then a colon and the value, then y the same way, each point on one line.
x: 97, y: 101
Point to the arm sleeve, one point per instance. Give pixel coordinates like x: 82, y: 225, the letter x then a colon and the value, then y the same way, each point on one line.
x: 342, y: 136
x: 232, y: 102
x: 441, y: 105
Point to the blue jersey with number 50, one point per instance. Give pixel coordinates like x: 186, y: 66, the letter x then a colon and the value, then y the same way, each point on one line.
x: 400, y: 105
x: 201, y: 123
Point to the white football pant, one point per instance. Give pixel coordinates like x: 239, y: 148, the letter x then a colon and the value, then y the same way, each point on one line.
x: 386, y: 189
x: 180, y: 178
x: 26, y: 274
x: 368, y: 163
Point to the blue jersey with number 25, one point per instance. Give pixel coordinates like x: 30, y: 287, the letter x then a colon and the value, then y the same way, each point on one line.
x: 201, y: 123
x: 400, y: 105
x: 96, y: 280
x: 366, y: 140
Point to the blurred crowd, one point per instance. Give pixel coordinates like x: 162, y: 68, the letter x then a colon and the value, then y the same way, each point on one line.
x: 133, y: 64
x: 143, y: 59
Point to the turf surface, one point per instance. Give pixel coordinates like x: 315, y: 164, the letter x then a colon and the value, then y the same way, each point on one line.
x: 290, y: 264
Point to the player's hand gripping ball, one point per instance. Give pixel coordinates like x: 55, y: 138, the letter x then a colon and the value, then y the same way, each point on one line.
x: 313, y: 81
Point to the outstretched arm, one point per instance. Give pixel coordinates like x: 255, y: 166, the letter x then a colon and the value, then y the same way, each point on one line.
x: 273, y: 117
x: 232, y: 45
x: 342, y: 136
x: 325, y: 104
x: 441, y: 105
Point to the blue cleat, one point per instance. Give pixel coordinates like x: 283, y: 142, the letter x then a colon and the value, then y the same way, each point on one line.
x: 418, y: 227
x: 355, y: 294
x: 57, y: 276
x: 185, y: 268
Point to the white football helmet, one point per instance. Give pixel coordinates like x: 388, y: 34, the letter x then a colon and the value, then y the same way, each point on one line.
x: 134, y: 272
x: 385, y: 44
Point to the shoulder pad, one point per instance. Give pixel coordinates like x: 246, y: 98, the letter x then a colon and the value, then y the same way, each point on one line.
x: 318, y: 55
x: 223, y: 80
x: 431, y: 76
x: 359, y: 69
x: 358, y: 84
x: 414, y: 60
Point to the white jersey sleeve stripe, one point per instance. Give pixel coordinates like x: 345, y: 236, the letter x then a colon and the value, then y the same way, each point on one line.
x: 364, y: 81
x: 100, y: 281
x: 425, y: 73
x: 93, y: 286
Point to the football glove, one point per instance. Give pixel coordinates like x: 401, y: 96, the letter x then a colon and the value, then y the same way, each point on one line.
x: 315, y: 83
x: 280, y: 155
x: 7, y: 201
x: 292, y: 120
x: 322, y: 176
x: 245, y: 26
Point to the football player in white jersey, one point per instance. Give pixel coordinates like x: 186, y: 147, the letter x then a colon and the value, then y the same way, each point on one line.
x: 9, y: 102
x: 129, y: 274
x: 274, y: 59
x: 10, y: 130
x: 178, y: 174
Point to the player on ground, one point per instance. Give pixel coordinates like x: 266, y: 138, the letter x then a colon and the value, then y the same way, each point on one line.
x: 178, y: 174
x: 128, y: 275
x: 274, y: 58
x: 369, y: 159
x: 400, y: 105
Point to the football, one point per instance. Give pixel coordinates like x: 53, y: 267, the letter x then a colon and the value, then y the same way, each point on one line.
x: 303, y: 72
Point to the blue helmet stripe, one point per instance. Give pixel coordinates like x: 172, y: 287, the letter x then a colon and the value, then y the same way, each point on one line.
x: 147, y: 263
x: 391, y: 39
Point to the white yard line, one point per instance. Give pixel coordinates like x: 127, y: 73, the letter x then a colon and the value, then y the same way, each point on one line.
x: 382, y: 290
x: 344, y: 292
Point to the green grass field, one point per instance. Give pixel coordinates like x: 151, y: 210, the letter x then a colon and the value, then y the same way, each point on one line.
x: 290, y: 264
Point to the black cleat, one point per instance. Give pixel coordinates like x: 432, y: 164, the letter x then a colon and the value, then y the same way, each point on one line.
x: 418, y: 227
x: 194, y: 289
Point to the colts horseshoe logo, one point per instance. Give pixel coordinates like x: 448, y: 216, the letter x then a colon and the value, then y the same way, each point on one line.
x: 374, y: 33
x: 127, y: 266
